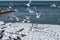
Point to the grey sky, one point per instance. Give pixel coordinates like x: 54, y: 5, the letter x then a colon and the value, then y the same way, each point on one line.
x: 28, y: 0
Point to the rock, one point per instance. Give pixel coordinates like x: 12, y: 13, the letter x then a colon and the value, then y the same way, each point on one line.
x: 23, y: 35
x: 20, y: 30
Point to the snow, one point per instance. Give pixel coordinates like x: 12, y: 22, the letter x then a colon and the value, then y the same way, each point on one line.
x: 1, y: 22
x: 32, y: 31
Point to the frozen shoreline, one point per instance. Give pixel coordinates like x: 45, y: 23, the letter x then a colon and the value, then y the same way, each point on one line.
x: 32, y: 31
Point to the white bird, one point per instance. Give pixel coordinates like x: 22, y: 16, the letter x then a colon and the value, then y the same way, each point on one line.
x: 28, y: 21
x: 27, y: 17
x: 11, y: 4
x: 28, y: 4
x: 38, y: 15
x: 23, y: 20
x: 15, y: 17
x: 30, y: 11
x: 35, y: 8
x: 53, y: 5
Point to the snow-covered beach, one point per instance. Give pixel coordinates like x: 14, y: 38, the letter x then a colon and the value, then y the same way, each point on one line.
x: 29, y: 31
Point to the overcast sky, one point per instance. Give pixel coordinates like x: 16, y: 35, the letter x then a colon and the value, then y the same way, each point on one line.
x: 28, y: 0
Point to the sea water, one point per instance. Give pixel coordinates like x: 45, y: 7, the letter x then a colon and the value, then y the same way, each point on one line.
x: 49, y: 15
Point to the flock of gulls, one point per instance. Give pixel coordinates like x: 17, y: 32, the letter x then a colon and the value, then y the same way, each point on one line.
x: 29, y: 10
x: 28, y: 31
x: 38, y: 15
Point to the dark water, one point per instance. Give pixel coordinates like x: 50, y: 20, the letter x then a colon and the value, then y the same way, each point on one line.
x: 48, y: 15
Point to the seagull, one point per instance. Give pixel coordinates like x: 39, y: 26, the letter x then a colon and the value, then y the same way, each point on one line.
x: 11, y: 4
x: 16, y: 10
x: 38, y: 15
x: 28, y: 21
x: 27, y: 17
x: 35, y: 8
x: 53, y: 5
x: 28, y: 4
x: 23, y: 20
x: 30, y: 11
x: 15, y: 17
